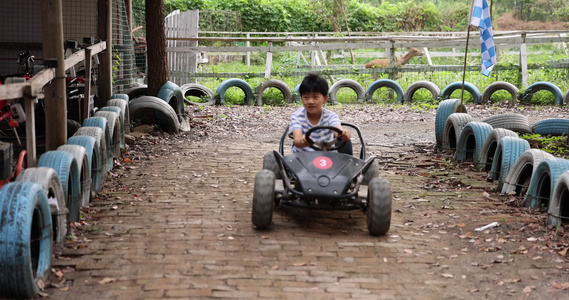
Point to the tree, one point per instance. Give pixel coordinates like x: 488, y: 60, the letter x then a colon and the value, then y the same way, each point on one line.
x: 156, y: 46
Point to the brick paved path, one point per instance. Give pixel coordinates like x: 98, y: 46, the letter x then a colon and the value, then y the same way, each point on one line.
x: 177, y: 226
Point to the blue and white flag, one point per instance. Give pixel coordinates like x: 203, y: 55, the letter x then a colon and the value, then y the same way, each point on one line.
x: 480, y: 16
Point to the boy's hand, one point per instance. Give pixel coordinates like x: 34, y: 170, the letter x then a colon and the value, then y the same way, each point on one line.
x: 298, y: 139
x: 345, y: 135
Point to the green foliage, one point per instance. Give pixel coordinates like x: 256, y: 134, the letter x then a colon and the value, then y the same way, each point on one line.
x: 556, y: 145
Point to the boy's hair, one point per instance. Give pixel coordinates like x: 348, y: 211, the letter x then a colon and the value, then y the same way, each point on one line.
x: 313, y: 83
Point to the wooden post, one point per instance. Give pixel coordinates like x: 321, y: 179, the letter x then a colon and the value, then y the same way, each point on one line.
x: 193, y: 32
x: 248, y: 54
x: 524, y: 61
x: 426, y: 53
x: 391, y: 55
x: 105, y: 89
x: 55, y: 93
x: 29, y: 103
x: 87, y: 92
x: 269, y: 62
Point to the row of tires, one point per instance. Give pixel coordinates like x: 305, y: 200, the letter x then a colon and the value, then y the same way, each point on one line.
x: 364, y: 95
x: 494, y: 145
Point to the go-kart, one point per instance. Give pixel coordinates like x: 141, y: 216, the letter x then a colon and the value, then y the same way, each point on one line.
x: 322, y: 179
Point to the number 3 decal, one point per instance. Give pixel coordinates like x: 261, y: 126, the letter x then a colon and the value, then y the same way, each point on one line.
x: 322, y: 163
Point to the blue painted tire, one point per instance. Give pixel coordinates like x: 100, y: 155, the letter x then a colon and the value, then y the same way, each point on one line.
x: 453, y: 127
x: 566, y: 98
x: 25, y: 239
x: 508, y: 150
x: 512, y: 121
x: 468, y: 87
x: 471, y: 140
x: 156, y: 111
x: 558, y: 205
x: 80, y: 154
x: 239, y: 83
x: 490, y: 145
x: 385, y: 83
x: 103, y: 123
x: 552, y: 126
x: 543, y: 181
x: 101, y: 143
x: 354, y: 85
x: 520, y: 173
x: 121, y: 96
x: 417, y: 85
x: 296, y: 94
x: 172, y: 94
x: 121, y: 128
x: 444, y: 110
x: 93, y: 148
x: 48, y: 179
x: 496, y: 86
x: 123, y: 105
x: 539, y: 86
x: 113, y: 122
x: 67, y: 169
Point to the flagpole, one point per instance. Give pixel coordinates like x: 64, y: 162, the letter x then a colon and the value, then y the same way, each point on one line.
x: 464, y: 67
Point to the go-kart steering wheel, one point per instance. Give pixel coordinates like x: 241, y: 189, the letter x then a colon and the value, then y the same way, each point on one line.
x: 325, y: 146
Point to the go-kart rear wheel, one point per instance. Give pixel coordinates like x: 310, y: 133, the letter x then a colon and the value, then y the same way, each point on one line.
x: 379, y: 206
x: 263, y: 199
x: 270, y: 163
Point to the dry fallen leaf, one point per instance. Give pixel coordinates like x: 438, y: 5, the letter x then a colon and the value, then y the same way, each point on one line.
x: 408, y: 251
x: 562, y: 286
x: 302, y: 264
x: 275, y: 267
x: 447, y: 275
x: 106, y: 280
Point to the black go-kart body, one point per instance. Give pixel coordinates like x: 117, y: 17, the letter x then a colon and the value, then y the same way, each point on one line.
x: 322, y: 180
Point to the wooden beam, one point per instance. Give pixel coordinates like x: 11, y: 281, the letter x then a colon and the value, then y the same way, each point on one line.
x: 105, y: 89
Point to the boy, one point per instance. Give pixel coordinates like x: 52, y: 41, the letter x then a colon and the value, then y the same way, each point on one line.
x: 314, y: 94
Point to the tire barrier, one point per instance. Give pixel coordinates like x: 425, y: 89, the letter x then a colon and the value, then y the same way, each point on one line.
x: 137, y: 91
x: 539, y: 86
x: 171, y: 93
x: 296, y: 94
x: 197, y: 90
x: 496, y: 86
x: 47, y: 178
x: 558, y: 209
x: 514, y: 122
x: 566, y: 98
x: 67, y: 169
x: 552, y: 126
x: 471, y: 139
x: 120, y: 125
x: 102, y: 123
x: 453, y: 127
x: 385, y: 83
x: 123, y: 105
x: 520, y: 173
x: 25, y: 239
x: 101, y: 143
x: 508, y: 150
x: 275, y: 83
x: 457, y: 85
x: 80, y: 154
x: 410, y: 91
x: 490, y: 145
x: 113, y: 122
x: 543, y: 181
x: 121, y: 96
x: 239, y: 83
x: 352, y: 84
x: 153, y: 110
x: 445, y: 109
x: 95, y: 157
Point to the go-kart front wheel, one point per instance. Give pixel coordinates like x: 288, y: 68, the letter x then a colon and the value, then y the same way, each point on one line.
x: 263, y: 199
x: 379, y: 206
x: 270, y: 163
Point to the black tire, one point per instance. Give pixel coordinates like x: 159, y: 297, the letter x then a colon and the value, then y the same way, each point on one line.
x: 415, y: 86
x: 543, y: 181
x: 67, y: 169
x: 120, y: 126
x: 490, y: 145
x: 107, y: 145
x: 137, y: 91
x: 263, y: 199
x: 197, y: 90
x: 444, y: 110
x: 496, y: 86
x: 453, y: 127
x: 354, y: 85
x: 80, y: 154
x: 558, y: 210
x: 95, y: 156
x: 471, y: 140
x: 171, y: 93
x: 566, y: 98
x: 521, y: 172
x: 274, y: 83
x: 270, y: 163
x: 49, y: 181
x: 514, y: 122
x: 113, y: 122
x: 155, y: 111
x: 552, y: 126
x: 296, y: 94
x: 99, y: 136
x: 371, y: 173
x: 379, y: 206
x: 72, y: 127
x: 25, y: 232
x: 539, y: 86
x: 507, y: 152
x: 468, y: 87
x: 239, y: 83
x: 123, y: 105
x: 385, y: 83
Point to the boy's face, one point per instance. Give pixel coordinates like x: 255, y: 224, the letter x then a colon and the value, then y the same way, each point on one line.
x: 313, y: 102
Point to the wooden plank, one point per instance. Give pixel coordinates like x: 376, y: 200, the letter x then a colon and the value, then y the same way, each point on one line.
x: 524, y: 65
x: 428, y: 56
x: 29, y: 103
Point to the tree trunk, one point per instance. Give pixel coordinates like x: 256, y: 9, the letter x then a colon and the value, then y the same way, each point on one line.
x: 156, y: 46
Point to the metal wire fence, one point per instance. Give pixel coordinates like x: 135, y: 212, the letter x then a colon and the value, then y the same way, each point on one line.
x: 124, y: 66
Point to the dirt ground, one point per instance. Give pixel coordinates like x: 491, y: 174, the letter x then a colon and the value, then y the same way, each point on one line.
x: 173, y: 222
